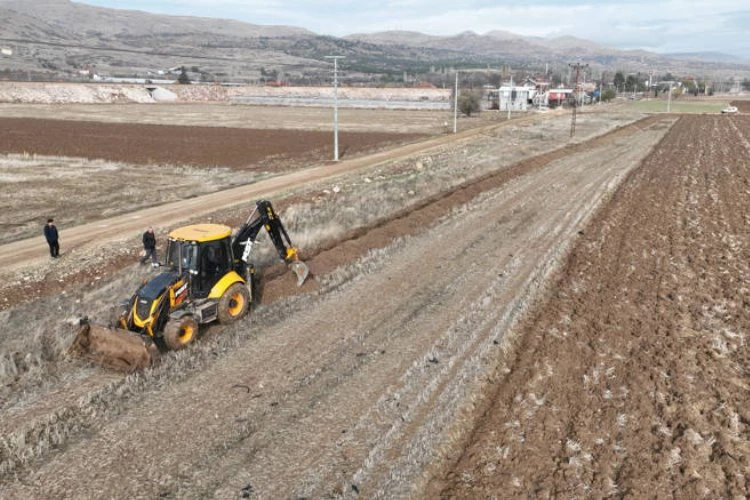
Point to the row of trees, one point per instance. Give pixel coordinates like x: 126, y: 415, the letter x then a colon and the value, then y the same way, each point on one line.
x: 637, y: 83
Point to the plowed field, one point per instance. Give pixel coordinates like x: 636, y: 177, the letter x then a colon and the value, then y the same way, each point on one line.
x: 571, y: 324
x: 631, y: 380
x: 177, y: 145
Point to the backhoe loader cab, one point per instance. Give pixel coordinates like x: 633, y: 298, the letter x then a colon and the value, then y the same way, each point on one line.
x: 203, y: 252
x: 207, y: 276
x: 198, y: 285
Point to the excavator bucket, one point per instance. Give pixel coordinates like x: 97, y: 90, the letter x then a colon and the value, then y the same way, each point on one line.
x: 300, y: 269
x: 114, y: 347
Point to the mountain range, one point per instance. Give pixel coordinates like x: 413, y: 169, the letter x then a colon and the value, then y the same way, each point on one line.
x: 61, y: 39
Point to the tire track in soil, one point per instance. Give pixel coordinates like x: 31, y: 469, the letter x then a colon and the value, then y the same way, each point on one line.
x: 645, y: 333
x: 59, y: 414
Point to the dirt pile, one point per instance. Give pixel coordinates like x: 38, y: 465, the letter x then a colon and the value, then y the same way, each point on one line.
x: 66, y: 93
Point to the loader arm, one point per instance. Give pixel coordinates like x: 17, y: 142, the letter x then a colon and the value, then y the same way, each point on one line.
x: 264, y: 216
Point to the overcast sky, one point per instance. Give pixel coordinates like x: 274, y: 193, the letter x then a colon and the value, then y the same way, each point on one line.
x: 655, y: 25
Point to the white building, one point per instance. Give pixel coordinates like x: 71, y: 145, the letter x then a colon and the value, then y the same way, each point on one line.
x: 515, y: 98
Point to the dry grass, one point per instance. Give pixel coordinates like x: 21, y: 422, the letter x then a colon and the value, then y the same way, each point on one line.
x: 75, y: 191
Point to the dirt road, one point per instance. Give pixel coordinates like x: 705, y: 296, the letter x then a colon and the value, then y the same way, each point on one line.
x: 23, y: 252
x: 359, y: 387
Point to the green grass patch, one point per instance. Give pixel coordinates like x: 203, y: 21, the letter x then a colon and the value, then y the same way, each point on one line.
x: 678, y: 106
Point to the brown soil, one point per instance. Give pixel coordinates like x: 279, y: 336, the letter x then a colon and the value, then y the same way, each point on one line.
x: 631, y: 379
x: 742, y: 106
x: 253, y: 117
x: 176, y: 145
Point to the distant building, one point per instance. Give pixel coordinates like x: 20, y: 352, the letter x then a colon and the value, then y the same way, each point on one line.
x: 6, y: 51
x: 515, y: 98
x: 556, y: 97
x: 424, y: 85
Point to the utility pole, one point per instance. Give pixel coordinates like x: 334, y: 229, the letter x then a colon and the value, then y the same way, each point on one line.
x: 455, y: 106
x: 539, y: 98
x: 335, y: 105
x: 578, y: 67
x: 583, y: 93
x: 669, y: 98
x: 510, y: 94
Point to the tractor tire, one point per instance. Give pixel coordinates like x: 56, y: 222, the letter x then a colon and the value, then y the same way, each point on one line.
x: 234, y: 304
x: 180, y: 333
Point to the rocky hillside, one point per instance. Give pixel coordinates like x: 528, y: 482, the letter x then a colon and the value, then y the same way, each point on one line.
x: 60, y: 39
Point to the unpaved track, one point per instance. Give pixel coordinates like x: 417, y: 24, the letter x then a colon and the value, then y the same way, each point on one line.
x: 25, y: 252
x: 357, y: 390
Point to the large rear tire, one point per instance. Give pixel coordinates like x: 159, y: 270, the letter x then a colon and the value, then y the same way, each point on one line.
x: 180, y: 333
x: 234, y: 304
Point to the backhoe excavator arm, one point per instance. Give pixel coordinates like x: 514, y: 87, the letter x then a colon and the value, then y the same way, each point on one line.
x: 265, y: 216
x: 153, y: 319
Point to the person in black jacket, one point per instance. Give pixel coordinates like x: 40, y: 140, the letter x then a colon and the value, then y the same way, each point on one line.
x: 53, y: 239
x: 149, y: 247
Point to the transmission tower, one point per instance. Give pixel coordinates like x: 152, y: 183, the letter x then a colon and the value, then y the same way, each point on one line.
x: 576, y: 93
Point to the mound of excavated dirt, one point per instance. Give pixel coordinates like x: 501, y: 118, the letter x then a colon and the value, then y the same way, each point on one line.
x: 66, y: 93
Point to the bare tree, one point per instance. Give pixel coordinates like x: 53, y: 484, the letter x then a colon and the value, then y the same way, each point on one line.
x: 469, y: 102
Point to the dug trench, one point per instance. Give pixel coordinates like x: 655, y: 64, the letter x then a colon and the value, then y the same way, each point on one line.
x: 422, y: 215
x: 276, y: 285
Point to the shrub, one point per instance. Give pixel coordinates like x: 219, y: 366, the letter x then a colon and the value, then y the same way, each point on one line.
x: 184, y: 78
x: 468, y: 102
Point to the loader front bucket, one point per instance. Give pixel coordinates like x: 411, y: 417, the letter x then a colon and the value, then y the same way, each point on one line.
x: 115, y: 348
x: 300, y: 269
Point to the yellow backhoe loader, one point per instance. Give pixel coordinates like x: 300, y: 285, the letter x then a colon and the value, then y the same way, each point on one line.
x: 208, y: 276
